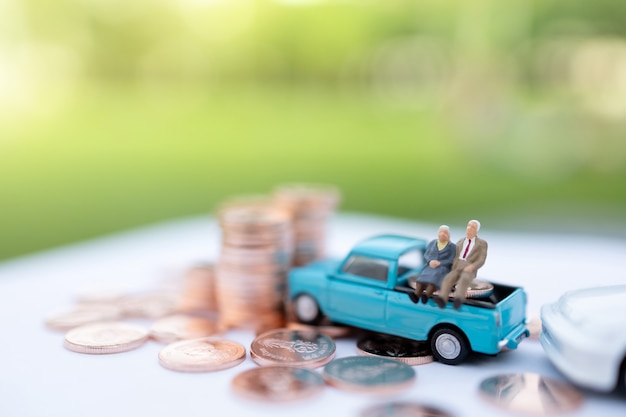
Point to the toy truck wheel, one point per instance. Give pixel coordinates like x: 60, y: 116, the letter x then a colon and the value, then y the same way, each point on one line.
x: 307, y: 310
x: 449, y: 346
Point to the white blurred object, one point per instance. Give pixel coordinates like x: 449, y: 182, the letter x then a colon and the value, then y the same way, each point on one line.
x: 584, y: 335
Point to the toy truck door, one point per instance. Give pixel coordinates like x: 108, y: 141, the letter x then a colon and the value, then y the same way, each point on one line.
x: 357, y: 292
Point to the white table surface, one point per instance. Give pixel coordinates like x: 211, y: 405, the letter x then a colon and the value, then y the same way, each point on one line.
x: 39, y: 377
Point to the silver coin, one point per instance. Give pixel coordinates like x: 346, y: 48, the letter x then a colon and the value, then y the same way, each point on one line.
x: 369, y: 374
x: 476, y: 289
x: 404, y: 350
x: 309, y: 349
x: 530, y: 393
x: 278, y: 383
x: 402, y: 409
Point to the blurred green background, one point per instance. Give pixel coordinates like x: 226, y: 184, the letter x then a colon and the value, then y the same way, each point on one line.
x: 115, y: 114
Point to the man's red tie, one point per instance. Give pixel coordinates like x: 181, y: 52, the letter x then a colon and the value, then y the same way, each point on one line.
x: 469, y: 242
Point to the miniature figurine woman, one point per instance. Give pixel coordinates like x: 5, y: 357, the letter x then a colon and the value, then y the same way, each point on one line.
x: 472, y: 252
x: 439, y: 257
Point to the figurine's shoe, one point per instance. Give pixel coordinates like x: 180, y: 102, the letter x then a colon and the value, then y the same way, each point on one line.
x: 414, y: 297
x: 424, y: 298
x: 440, y: 302
x: 457, y: 303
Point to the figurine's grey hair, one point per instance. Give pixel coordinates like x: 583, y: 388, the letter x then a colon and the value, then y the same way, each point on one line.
x: 477, y: 224
x: 445, y: 227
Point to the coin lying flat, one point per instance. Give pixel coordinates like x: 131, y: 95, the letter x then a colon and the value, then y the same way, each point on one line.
x: 80, y: 315
x: 402, y: 409
x: 278, y: 383
x: 530, y: 393
x: 330, y: 330
x: 370, y: 374
x: 181, y: 327
x: 534, y: 326
x: 105, y: 337
x: 309, y: 349
x: 476, y: 289
x: 205, y: 354
x: 404, y: 350
x: 150, y: 305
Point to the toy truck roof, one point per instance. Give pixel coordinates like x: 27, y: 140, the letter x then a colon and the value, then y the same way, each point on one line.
x: 387, y: 246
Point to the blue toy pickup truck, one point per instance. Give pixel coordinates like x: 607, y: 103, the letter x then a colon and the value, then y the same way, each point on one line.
x: 370, y: 289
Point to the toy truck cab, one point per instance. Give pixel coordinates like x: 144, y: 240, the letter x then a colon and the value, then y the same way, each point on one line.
x: 369, y: 289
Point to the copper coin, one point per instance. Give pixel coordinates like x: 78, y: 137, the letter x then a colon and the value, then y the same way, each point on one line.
x: 198, y: 289
x: 530, y: 393
x: 534, y: 327
x: 81, y: 314
x: 309, y: 349
x: 105, y: 337
x: 181, y: 327
x: 202, y: 355
x: 402, y: 409
x: 278, y: 383
x: 404, y: 350
x: 369, y: 374
x: 150, y: 305
x: 248, y: 217
x: 330, y: 330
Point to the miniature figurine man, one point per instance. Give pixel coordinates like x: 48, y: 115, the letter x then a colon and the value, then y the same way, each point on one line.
x: 439, y: 257
x: 471, y: 253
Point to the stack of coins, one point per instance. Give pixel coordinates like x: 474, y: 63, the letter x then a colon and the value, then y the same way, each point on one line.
x: 310, y: 205
x: 255, y: 256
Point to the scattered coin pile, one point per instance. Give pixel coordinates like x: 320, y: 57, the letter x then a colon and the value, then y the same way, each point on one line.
x: 287, y: 357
